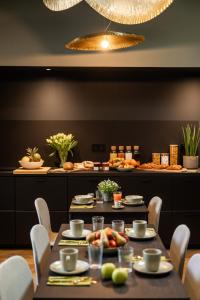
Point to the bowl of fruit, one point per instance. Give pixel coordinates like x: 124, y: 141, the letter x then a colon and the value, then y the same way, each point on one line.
x: 110, y: 238
x: 32, y: 160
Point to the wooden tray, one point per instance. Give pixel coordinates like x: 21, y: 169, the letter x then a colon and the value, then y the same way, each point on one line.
x: 42, y: 170
x: 183, y: 170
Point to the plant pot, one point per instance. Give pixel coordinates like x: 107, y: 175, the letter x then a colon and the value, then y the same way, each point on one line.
x: 190, y: 162
x: 107, y: 197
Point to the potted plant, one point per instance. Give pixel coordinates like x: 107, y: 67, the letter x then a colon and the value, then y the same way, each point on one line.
x: 191, y: 135
x: 62, y: 144
x: 107, y: 188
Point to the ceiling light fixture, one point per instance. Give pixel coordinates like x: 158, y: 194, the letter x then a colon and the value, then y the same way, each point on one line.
x: 109, y: 40
x: 120, y: 11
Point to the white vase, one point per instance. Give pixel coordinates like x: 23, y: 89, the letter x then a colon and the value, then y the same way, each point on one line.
x: 190, y: 162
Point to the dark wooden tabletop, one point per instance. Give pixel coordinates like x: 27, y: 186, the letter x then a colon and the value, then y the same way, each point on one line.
x: 106, y: 208
x: 138, y: 286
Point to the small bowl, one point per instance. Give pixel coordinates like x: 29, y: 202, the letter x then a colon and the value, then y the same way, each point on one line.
x: 133, y: 198
x: 83, y: 198
x: 31, y: 164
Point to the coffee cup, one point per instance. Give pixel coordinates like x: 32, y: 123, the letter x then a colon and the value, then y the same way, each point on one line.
x: 76, y: 227
x: 68, y: 258
x: 117, y: 204
x: 139, y: 228
x: 151, y: 259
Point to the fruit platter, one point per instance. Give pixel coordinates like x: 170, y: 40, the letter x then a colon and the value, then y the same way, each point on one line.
x: 32, y: 160
x: 110, y: 238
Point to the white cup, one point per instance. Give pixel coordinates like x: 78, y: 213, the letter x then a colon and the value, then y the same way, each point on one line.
x: 68, y: 258
x: 76, y: 227
x: 139, y: 228
x: 152, y: 258
x: 117, y: 204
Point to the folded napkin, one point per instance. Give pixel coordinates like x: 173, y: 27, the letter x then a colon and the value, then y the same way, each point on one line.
x: 72, y: 243
x: 70, y: 280
x: 136, y: 258
x: 82, y: 206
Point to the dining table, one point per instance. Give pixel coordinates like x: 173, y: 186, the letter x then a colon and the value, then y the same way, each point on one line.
x: 138, y: 286
x: 106, y: 209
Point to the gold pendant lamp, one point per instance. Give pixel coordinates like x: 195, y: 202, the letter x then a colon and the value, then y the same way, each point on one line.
x: 105, y: 41
x: 58, y: 5
x: 129, y: 11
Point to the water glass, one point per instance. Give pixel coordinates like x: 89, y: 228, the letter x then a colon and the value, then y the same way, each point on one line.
x: 118, y: 225
x: 97, y: 223
x: 125, y: 257
x: 95, y: 255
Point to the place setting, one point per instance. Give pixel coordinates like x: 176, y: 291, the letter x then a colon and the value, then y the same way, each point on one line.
x: 76, y: 235
x: 133, y: 200
x: 140, y: 231
x: 83, y: 201
x: 152, y: 263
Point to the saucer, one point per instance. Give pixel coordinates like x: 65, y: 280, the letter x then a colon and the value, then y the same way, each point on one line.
x: 81, y: 267
x: 165, y: 267
x: 139, y: 203
x: 79, y: 202
x: 149, y: 234
x: 67, y: 234
x: 120, y: 207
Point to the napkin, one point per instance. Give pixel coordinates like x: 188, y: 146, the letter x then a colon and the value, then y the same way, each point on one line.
x: 70, y: 280
x: 72, y: 243
x: 148, y: 228
x: 82, y: 206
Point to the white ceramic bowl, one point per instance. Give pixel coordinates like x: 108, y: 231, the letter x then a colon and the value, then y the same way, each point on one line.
x: 83, y: 198
x: 31, y: 164
x: 134, y: 198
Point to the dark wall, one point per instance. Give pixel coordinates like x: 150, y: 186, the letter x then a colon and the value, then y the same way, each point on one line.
x: 106, y: 106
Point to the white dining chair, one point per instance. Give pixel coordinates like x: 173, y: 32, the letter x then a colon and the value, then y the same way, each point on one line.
x: 154, y: 209
x: 16, y: 281
x: 178, y: 247
x: 41, y: 249
x: 192, y: 277
x: 44, y: 218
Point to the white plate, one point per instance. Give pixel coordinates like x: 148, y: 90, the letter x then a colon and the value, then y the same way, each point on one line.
x: 165, y: 267
x: 67, y: 234
x: 81, y: 267
x: 139, y: 203
x: 79, y: 202
x: 149, y: 234
x: 134, y: 197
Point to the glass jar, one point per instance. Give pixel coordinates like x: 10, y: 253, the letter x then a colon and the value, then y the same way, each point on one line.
x: 164, y: 158
x: 128, y: 153
x: 105, y: 166
x: 136, y: 153
x: 97, y: 166
x: 173, y: 150
x: 156, y: 158
x: 113, y: 152
x: 121, y: 153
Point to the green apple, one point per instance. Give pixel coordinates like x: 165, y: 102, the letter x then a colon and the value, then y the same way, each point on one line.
x: 119, y: 276
x: 36, y: 157
x: 107, y: 270
x: 25, y: 159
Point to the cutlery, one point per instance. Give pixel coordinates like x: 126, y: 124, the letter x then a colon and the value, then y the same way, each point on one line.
x: 63, y: 280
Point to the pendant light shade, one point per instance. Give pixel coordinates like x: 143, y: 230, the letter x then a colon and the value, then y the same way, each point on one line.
x: 109, y: 40
x: 58, y: 5
x: 129, y: 11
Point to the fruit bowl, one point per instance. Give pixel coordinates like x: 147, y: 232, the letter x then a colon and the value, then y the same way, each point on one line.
x: 31, y: 164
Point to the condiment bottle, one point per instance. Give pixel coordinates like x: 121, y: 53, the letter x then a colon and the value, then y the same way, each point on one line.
x: 113, y: 152
x: 121, y: 153
x: 128, y: 153
x: 136, y: 153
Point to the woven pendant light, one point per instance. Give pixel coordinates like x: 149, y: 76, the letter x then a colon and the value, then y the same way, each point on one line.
x: 109, y: 40
x: 129, y: 11
x: 58, y: 5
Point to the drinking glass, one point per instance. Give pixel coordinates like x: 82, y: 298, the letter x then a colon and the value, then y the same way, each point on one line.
x: 118, y: 225
x: 117, y: 196
x: 97, y: 223
x: 125, y: 257
x: 95, y: 255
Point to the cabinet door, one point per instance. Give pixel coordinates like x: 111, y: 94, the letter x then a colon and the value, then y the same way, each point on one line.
x: 185, y: 192
x: 7, y: 228
x: 26, y: 220
x: 148, y: 186
x: 7, y: 193
x: 52, y: 189
x: 191, y: 219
